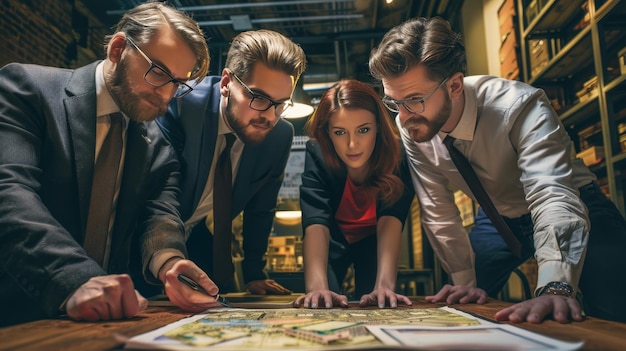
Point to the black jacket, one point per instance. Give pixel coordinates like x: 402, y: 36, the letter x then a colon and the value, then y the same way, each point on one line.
x: 322, y: 189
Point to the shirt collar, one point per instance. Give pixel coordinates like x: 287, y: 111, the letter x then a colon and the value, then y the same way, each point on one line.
x: 464, y: 130
x: 104, y: 104
x: 222, y: 126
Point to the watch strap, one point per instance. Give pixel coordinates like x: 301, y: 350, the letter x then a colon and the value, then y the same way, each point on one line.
x: 557, y: 288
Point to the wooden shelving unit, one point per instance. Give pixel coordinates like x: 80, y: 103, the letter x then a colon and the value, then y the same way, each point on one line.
x: 584, y: 76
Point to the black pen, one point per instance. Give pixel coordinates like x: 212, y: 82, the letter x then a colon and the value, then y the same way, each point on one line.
x: 195, y: 286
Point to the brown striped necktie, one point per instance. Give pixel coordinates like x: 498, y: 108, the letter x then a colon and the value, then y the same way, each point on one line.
x: 103, y: 191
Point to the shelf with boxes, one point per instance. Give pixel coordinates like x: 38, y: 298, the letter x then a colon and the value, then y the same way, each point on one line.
x: 575, y: 50
x: 509, y: 48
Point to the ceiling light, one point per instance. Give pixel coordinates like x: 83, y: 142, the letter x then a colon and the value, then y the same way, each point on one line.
x: 241, y: 22
x: 288, y: 217
x: 298, y: 110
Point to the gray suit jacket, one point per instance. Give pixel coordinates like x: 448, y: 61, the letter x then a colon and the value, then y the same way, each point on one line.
x: 47, y: 143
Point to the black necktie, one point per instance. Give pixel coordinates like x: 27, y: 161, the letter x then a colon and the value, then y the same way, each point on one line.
x: 103, y: 191
x: 466, y: 170
x: 222, y: 208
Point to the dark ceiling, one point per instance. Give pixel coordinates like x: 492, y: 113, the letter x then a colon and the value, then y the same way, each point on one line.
x: 336, y: 35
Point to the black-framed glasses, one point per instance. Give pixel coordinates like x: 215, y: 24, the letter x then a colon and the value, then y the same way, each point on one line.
x: 413, y: 105
x: 260, y: 102
x: 158, y: 77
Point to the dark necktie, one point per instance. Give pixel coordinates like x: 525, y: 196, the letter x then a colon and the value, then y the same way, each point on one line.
x: 466, y: 170
x: 222, y: 208
x: 103, y: 191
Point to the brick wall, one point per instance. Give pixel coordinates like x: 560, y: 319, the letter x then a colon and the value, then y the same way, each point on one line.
x: 61, y: 33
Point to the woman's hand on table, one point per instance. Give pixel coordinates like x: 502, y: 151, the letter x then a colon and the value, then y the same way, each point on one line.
x: 321, y: 299
x: 383, y: 297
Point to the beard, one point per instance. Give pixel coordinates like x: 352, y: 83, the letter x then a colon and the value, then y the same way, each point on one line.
x: 129, y: 101
x: 252, y: 138
x: 422, y: 129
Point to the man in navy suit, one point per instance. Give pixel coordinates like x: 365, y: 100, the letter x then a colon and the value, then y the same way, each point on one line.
x: 53, y: 126
x: 247, y: 100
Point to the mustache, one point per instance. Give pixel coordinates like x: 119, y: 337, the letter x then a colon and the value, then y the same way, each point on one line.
x: 413, y: 121
x: 155, y: 101
x: 262, y: 121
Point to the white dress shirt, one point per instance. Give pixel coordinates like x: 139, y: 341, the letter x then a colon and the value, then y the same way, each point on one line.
x: 522, y: 154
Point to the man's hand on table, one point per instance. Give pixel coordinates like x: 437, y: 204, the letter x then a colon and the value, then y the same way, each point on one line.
x: 562, y: 308
x: 267, y: 287
x: 105, y: 298
x: 182, y: 295
x: 458, y: 294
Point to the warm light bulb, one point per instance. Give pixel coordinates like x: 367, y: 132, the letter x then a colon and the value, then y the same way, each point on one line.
x: 298, y: 110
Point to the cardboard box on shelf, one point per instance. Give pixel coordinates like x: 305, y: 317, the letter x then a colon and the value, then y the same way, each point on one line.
x: 592, y: 155
x: 509, y: 68
x: 506, y: 16
x: 507, y: 27
x: 622, y: 60
x: 590, y: 136
x: 621, y: 131
x: 539, y: 55
x: 532, y: 10
x: 509, y: 44
x: 588, y: 90
x: 556, y: 95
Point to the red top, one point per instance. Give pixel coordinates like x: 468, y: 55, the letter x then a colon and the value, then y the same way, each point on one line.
x: 356, y: 215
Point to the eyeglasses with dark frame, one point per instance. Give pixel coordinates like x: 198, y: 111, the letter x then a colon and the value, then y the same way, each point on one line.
x: 260, y: 102
x: 413, y: 105
x: 158, y: 77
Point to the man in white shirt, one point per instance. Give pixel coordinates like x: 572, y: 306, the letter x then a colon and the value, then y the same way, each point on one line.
x: 520, y: 152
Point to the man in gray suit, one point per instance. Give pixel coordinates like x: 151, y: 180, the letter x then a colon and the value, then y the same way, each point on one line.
x: 53, y: 126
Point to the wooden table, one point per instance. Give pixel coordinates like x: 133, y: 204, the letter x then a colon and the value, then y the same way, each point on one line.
x: 64, y: 334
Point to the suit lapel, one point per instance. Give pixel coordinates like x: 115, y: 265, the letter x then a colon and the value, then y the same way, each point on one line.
x: 200, y: 146
x: 80, y: 112
x: 207, y: 150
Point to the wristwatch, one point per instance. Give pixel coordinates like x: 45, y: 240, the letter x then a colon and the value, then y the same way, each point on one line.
x: 557, y: 288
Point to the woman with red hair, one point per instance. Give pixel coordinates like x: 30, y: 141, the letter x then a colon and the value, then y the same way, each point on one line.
x: 353, y: 199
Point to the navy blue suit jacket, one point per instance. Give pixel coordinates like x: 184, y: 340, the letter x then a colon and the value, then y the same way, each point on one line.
x: 47, y: 149
x: 191, y: 125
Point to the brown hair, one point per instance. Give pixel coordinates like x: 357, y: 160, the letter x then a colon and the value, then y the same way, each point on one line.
x: 268, y: 47
x: 143, y: 21
x: 429, y: 42
x: 385, y: 159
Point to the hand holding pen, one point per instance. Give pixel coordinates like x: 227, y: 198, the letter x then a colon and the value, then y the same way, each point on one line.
x: 180, y: 291
x: 195, y: 286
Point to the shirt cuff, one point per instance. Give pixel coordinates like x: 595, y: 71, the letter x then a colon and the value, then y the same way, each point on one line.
x: 464, y: 278
x: 555, y: 271
x: 160, y: 257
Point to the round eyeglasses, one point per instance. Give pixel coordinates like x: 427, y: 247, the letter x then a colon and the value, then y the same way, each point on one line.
x: 158, y: 77
x: 413, y: 105
x: 260, y: 102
